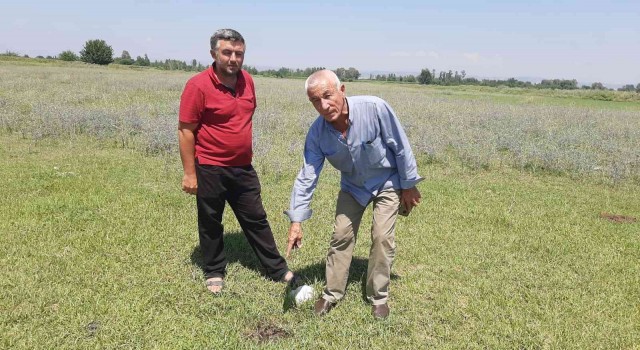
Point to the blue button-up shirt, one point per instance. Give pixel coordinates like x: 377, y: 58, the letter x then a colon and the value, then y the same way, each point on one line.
x: 374, y: 156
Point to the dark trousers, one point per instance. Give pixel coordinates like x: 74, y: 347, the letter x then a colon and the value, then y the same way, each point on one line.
x: 240, y: 187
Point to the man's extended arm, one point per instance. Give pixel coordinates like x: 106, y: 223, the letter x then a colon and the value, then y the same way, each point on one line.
x: 187, y: 143
x: 396, y: 139
x: 303, y: 188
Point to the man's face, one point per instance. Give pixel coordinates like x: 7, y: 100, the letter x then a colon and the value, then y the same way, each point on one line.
x: 228, y: 57
x: 327, y: 99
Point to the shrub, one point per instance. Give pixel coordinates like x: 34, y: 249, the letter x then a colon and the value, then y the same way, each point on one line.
x: 97, y: 52
x: 10, y: 54
x: 68, y: 56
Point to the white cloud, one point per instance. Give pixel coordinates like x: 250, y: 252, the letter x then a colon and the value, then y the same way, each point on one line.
x: 420, y: 53
x: 472, y: 57
x: 430, y: 54
x: 401, y: 54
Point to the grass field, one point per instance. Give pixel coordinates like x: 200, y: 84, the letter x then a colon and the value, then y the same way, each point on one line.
x: 510, y: 248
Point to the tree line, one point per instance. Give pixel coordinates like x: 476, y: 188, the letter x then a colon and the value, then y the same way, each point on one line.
x: 427, y: 76
x: 99, y: 52
x: 344, y: 74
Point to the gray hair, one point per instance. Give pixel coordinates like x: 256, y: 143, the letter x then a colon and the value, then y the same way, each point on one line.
x: 225, y: 34
x: 317, y: 77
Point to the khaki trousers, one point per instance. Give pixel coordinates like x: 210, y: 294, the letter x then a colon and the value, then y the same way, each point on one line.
x: 348, y: 216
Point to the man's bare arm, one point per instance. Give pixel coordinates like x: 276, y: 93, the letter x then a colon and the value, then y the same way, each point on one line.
x: 187, y: 143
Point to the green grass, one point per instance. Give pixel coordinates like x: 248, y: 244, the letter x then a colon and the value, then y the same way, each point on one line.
x: 508, y: 250
x: 99, y: 250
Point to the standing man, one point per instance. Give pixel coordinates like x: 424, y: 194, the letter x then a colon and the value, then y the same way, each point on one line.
x: 362, y: 138
x: 215, y: 137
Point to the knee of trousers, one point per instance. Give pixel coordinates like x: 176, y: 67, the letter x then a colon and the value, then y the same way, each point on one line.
x: 386, y: 243
x: 257, y: 216
x: 342, y: 238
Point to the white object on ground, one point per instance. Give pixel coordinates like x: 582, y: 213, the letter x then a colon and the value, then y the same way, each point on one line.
x: 302, y: 294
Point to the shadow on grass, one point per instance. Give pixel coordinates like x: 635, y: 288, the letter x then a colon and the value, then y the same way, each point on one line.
x: 316, y: 272
x: 238, y: 250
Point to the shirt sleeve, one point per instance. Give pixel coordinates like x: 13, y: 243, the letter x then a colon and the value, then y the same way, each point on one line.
x: 249, y: 78
x: 307, y: 180
x: 396, y: 140
x: 191, y: 104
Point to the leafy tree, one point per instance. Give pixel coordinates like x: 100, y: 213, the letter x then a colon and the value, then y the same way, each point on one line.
x: 597, y: 86
x: 638, y: 88
x: 628, y: 87
x: 283, y: 72
x: 125, y: 59
x: 471, y: 81
x: 352, y: 74
x: 251, y: 70
x: 310, y: 70
x: 425, y: 77
x: 562, y: 84
x: 68, y: 56
x: 142, y: 61
x: 97, y: 52
x: 343, y: 74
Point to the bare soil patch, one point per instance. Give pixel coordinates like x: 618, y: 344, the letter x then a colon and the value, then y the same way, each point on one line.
x: 622, y: 219
x: 266, y: 332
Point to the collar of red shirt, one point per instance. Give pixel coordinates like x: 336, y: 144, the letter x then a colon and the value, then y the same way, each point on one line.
x: 216, y: 81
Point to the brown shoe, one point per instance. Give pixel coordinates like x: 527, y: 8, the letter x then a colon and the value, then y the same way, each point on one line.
x: 322, y: 306
x: 380, y: 311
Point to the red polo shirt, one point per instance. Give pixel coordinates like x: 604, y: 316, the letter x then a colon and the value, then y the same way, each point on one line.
x: 224, y: 133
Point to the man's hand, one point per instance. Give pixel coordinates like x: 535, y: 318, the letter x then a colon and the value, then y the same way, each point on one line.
x: 410, y: 198
x: 190, y: 184
x: 295, y: 237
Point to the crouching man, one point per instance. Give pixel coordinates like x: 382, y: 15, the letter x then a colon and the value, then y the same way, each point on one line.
x: 362, y: 138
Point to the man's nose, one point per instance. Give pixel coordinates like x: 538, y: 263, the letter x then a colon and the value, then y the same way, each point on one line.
x: 325, y: 105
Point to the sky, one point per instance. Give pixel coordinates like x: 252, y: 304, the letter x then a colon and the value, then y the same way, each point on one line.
x: 585, y: 40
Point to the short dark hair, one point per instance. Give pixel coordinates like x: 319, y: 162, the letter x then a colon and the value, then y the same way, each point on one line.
x: 225, y: 34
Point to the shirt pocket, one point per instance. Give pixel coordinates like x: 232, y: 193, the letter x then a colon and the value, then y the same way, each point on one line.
x: 340, y: 159
x: 376, y: 153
